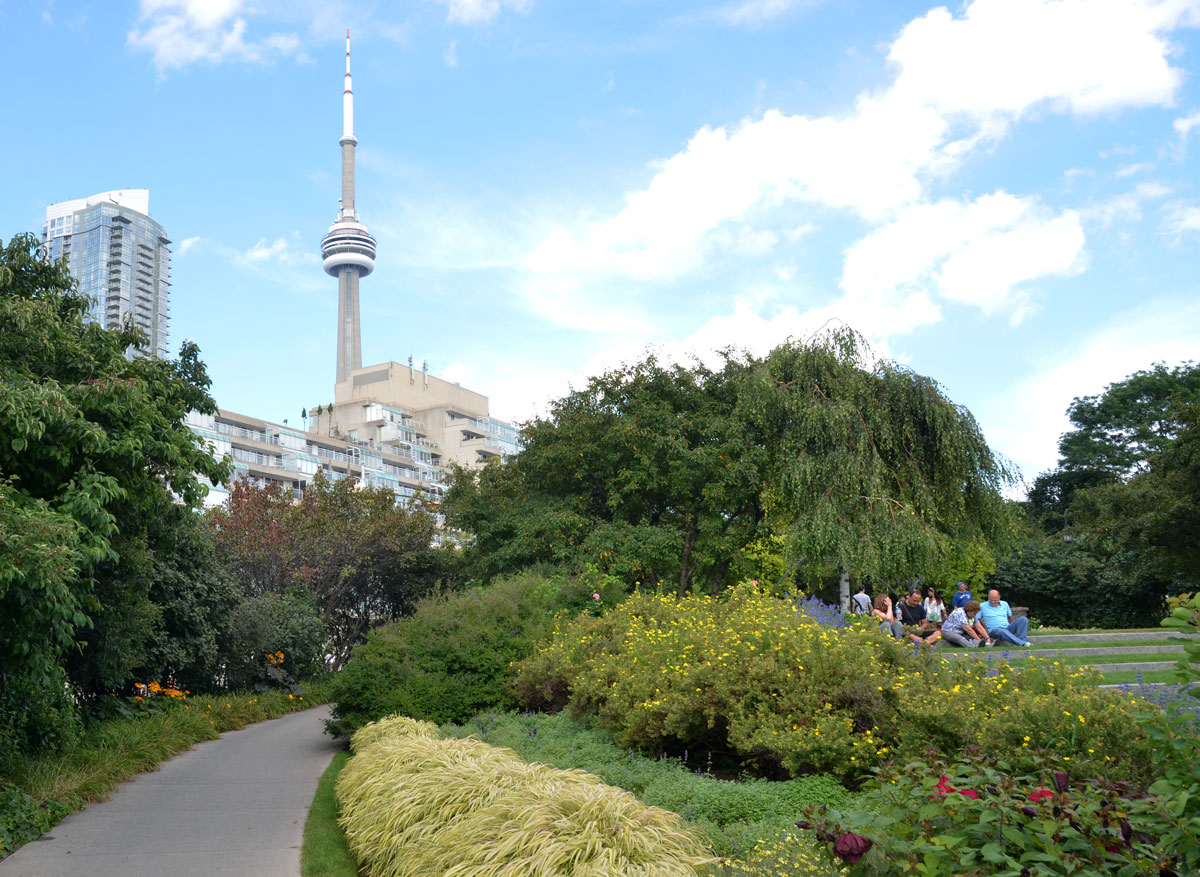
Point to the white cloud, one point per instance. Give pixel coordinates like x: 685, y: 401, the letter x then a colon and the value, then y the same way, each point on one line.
x: 1025, y: 423
x: 977, y: 253
x: 189, y: 243
x: 753, y: 12
x: 450, y: 56
x: 481, y: 11
x: 960, y: 82
x: 1184, y: 124
x: 282, y: 250
x: 1127, y: 206
x: 1005, y: 57
x: 1131, y: 169
x: 181, y: 32
x: 1182, y: 220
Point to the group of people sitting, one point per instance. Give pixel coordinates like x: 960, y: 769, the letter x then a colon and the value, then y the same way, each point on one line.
x: 968, y: 625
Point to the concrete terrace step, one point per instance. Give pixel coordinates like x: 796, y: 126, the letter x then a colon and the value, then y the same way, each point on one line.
x: 1115, y: 636
x: 1015, y: 652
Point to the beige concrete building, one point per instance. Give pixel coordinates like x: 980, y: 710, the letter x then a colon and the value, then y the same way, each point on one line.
x: 399, y: 406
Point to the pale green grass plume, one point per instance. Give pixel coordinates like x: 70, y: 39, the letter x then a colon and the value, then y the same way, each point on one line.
x: 414, y: 804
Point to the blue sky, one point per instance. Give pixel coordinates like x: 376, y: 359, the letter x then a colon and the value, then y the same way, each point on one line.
x: 1001, y: 194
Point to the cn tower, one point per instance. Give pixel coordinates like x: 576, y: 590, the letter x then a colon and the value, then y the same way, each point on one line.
x: 348, y: 249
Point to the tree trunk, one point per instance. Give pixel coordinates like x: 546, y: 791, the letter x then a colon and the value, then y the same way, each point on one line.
x: 844, y: 589
x: 685, y: 561
x: 718, y: 581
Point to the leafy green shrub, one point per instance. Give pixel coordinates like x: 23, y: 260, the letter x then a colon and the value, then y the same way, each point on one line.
x: 270, y: 623
x: 786, y: 693
x: 1065, y: 585
x: 415, y: 804
x: 450, y: 659
x: 737, y: 817
x: 974, y: 815
x: 1177, y: 748
x: 22, y: 818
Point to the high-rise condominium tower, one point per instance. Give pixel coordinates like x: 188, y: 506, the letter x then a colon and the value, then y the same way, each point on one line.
x: 348, y: 249
x: 121, y: 258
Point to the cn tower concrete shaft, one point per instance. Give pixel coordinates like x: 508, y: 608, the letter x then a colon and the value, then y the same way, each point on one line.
x: 348, y: 249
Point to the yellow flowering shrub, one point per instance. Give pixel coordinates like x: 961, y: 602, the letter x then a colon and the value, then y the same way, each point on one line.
x: 753, y: 676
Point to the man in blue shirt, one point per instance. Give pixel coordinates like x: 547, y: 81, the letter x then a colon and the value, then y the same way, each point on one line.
x: 997, y: 618
x: 963, y: 597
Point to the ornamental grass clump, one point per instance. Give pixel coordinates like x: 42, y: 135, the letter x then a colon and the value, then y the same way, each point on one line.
x: 414, y: 804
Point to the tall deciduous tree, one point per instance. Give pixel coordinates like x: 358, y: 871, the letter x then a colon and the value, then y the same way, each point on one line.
x: 646, y: 473
x: 871, y: 468
x: 1116, y: 435
x: 92, y: 448
x: 362, y: 558
x: 253, y: 532
x: 654, y: 471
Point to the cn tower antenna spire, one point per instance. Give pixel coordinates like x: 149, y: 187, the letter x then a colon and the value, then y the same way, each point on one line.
x: 348, y: 248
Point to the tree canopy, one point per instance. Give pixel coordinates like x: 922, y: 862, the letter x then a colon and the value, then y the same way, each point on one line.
x: 359, y: 557
x: 677, y: 473
x: 1119, y: 514
x: 93, y: 451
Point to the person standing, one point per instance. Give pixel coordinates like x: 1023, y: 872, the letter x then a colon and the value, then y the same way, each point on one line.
x: 996, y: 616
x: 935, y: 609
x: 963, y: 596
x: 961, y: 629
x: 860, y: 602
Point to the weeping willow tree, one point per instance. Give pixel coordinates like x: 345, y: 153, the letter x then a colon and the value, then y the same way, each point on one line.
x: 870, y: 468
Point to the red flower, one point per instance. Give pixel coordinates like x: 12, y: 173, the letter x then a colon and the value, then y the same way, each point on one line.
x: 943, y: 788
x: 1040, y: 795
x: 852, y: 847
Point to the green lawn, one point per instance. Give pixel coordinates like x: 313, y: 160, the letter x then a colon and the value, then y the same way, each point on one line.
x: 325, y: 853
x: 1129, y: 677
x: 1148, y: 641
x: 1115, y: 658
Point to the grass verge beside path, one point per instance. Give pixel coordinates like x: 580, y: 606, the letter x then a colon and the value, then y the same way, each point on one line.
x: 36, y: 793
x: 325, y: 853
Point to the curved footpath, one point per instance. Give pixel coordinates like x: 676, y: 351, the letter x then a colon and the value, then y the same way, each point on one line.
x: 232, y: 806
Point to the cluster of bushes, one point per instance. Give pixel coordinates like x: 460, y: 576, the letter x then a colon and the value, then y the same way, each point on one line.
x: 414, y: 803
x: 453, y: 656
x: 976, y: 815
x: 789, y: 695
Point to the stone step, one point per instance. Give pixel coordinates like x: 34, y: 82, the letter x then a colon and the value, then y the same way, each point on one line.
x: 1132, y: 666
x: 1103, y: 650
x: 1137, y: 685
x: 1067, y: 655
x: 1115, y: 636
x: 1145, y: 667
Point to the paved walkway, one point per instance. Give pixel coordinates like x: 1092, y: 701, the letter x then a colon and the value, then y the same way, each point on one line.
x: 233, y: 806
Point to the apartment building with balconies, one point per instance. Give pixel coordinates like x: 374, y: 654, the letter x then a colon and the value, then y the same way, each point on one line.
x: 276, y: 453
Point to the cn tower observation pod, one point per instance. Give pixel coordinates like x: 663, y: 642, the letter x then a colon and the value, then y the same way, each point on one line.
x: 348, y: 244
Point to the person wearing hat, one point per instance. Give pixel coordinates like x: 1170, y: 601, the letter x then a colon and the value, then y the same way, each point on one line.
x: 963, y: 597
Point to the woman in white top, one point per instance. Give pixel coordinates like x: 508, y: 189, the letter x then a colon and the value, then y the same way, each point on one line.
x: 935, y: 609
